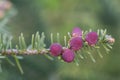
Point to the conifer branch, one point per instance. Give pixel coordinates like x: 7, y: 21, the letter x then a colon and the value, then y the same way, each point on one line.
x: 74, y: 49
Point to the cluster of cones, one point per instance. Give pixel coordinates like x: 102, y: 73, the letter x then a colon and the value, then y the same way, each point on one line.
x: 75, y: 43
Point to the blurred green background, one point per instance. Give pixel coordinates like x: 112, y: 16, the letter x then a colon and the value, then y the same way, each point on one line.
x: 61, y: 16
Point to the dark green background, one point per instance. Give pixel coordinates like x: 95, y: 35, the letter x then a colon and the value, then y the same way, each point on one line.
x: 61, y: 16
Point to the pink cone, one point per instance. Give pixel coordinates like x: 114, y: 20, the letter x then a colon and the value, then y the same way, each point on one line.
x: 76, y: 32
x: 68, y: 55
x: 55, y: 49
x: 76, y: 43
x: 92, y: 38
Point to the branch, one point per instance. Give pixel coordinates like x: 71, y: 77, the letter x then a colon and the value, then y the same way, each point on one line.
x: 76, y: 45
x: 24, y: 52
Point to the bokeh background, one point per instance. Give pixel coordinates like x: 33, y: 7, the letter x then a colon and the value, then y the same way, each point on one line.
x: 61, y: 16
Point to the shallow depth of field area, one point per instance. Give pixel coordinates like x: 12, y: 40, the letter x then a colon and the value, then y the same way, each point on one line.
x: 61, y: 16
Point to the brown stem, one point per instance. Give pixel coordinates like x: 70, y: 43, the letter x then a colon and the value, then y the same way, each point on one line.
x: 24, y: 52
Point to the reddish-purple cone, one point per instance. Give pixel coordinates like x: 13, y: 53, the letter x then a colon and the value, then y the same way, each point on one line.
x: 92, y: 38
x: 76, y: 32
x: 55, y: 49
x: 68, y: 55
x: 76, y: 43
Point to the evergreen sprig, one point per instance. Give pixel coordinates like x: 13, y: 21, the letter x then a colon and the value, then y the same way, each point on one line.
x: 37, y: 46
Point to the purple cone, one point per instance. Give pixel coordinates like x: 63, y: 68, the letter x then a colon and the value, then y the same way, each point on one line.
x: 76, y: 43
x: 92, y: 38
x: 76, y: 32
x: 68, y: 55
x: 55, y: 49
